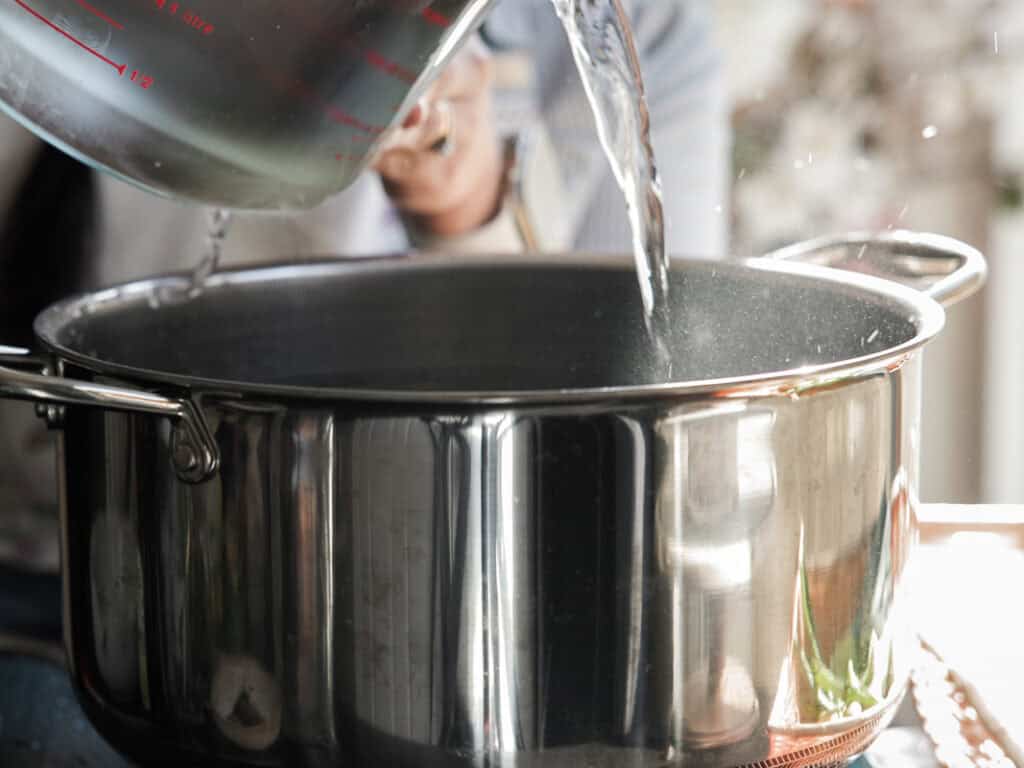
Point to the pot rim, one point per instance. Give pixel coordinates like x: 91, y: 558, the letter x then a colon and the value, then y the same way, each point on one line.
x: 926, y: 314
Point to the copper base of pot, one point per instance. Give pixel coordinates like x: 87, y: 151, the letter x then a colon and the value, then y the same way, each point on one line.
x: 797, y: 751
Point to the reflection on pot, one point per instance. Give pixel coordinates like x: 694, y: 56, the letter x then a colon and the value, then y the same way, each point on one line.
x: 850, y: 649
x: 245, y: 701
x: 515, y: 588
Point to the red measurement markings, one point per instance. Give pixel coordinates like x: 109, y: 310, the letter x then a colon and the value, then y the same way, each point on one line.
x: 187, y: 15
x: 390, y: 67
x: 144, y: 81
x: 377, y: 60
x: 100, y: 14
x: 436, y: 18
x: 344, y: 118
x: 119, y: 67
x: 303, y: 92
x: 351, y: 44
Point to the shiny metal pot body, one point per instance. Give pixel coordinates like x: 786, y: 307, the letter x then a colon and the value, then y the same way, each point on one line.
x: 408, y: 585
x: 649, y: 577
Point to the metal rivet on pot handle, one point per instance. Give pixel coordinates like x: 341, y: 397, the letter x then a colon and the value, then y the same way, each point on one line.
x: 946, y: 269
x: 194, y: 450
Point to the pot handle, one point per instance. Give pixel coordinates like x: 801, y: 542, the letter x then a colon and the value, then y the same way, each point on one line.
x: 945, y: 269
x: 193, y: 448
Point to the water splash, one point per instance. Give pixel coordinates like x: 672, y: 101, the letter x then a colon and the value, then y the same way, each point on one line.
x: 606, y: 57
x: 218, y: 224
x: 217, y: 230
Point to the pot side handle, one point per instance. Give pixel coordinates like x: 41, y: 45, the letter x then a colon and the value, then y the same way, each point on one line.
x: 193, y: 448
x: 945, y: 269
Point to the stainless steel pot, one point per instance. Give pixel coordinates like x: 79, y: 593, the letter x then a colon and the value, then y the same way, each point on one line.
x: 438, y: 512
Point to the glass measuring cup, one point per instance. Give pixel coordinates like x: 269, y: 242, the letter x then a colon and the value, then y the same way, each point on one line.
x: 259, y: 105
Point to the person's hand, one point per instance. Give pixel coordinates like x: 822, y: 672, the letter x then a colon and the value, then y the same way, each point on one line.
x: 444, y: 166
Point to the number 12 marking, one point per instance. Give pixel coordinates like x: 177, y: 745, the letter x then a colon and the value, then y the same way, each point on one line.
x: 144, y: 81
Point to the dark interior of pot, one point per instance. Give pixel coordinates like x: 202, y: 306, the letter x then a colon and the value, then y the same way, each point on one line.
x: 424, y: 324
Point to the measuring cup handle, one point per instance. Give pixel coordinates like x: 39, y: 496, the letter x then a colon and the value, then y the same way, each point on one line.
x: 945, y: 269
x: 193, y: 448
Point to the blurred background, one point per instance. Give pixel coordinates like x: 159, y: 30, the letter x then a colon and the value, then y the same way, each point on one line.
x: 866, y: 114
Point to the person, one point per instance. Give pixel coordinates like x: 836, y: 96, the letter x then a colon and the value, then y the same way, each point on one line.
x: 140, y: 234
x: 442, y: 183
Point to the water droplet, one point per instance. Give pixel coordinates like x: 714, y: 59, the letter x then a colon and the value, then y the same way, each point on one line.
x: 741, y: 174
x: 995, y: 42
x: 604, y: 52
x: 929, y: 132
x: 873, y: 336
x: 157, y: 164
